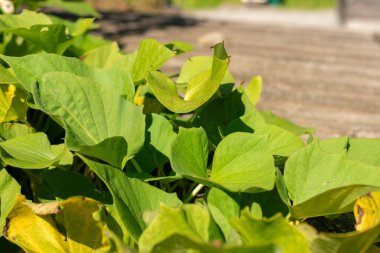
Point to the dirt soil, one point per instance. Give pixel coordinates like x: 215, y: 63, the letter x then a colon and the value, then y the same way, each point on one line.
x: 324, y: 77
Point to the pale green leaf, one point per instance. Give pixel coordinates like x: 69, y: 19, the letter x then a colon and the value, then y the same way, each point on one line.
x: 253, y: 90
x: 199, y: 90
x: 364, y: 150
x: 243, y: 162
x: 196, y: 65
x: 280, y: 141
x: 273, y: 119
x: 12, y: 130
x: 313, y: 173
x: 106, y: 56
x: 150, y: 55
x: 24, y: 20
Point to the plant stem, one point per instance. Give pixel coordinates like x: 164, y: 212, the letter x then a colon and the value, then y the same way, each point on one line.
x: 194, y: 193
x: 137, y: 166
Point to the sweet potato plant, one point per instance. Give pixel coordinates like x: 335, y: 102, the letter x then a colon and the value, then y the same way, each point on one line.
x: 103, y: 152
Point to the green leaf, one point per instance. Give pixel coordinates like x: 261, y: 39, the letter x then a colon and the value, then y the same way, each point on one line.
x: 197, y: 64
x: 179, y: 47
x: 74, y: 7
x: 32, y: 151
x: 223, y: 208
x: 92, y: 113
x: 180, y: 243
x: 106, y: 56
x: 192, y: 163
x: 150, y: 55
x: 24, y: 20
x: 62, y: 184
x: 49, y: 38
x: 364, y: 150
x: 199, y: 90
x: 183, y: 231
x: 253, y: 90
x: 334, y: 145
x: 275, y: 230
x: 131, y: 197
x: 6, y: 77
x: 30, y: 69
x: 159, y: 137
x: 332, y: 178
x: 12, y: 130
x: 9, y: 189
x: 243, y: 162
x: 281, y: 141
x: 216, y: 115
x: 273, y: 119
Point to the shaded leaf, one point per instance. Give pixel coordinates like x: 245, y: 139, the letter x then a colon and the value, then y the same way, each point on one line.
x: 62, y: 184
x: 131, y: 197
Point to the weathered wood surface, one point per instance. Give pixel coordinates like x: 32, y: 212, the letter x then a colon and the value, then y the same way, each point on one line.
x: 325, y: 78
x: 359, y: 9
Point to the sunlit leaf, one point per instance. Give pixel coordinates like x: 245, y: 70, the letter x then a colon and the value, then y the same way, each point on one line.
x: 32, y: 151
x: 367, y: 211
x: 55, y: 226
x: 313, y: 173
x: 93, y: 113
x: 9, y: 189
x: 199, y: 90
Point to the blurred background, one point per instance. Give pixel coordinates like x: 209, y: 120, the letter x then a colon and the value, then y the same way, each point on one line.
x: 319, y: 59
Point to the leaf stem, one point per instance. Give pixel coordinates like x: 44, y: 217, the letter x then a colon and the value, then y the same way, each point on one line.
x: 137, y: 166
x: 194, y: 193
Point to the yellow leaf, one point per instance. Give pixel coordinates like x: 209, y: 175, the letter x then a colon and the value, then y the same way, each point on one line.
x: 367, y: 211
x: 13, y: 104
x: 61, y: 226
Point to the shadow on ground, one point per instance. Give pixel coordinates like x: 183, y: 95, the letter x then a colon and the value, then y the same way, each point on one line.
x: 116, y: 24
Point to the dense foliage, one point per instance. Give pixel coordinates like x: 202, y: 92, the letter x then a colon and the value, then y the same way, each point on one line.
x: 102, y: 152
